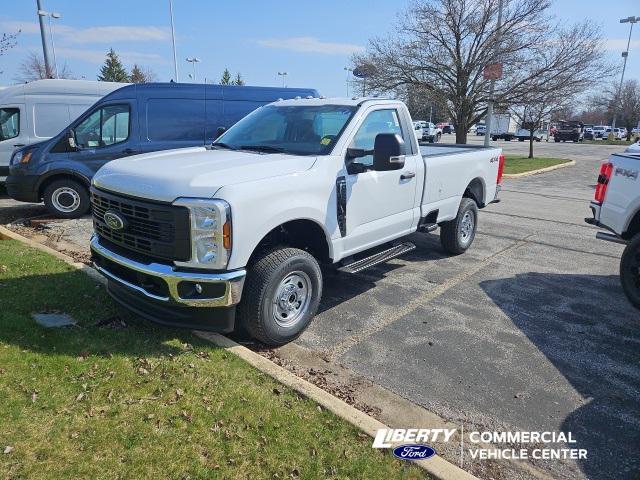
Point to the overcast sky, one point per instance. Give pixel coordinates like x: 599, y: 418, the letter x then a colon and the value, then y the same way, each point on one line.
x: 311, y: 41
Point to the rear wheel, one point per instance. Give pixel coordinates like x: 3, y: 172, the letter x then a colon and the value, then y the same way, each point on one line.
x: 281, y: 295
x: 457, y: 235
x: 630, y: 271
x: 67, y: 198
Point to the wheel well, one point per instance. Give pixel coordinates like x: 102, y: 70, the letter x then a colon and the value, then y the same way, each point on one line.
x: 59, y: 176
x: 634, y: 226
x: 475, y: 191
x: 303, y: 234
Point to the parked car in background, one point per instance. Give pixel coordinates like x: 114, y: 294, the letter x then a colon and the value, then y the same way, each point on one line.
x: 448, y: 128
x: 428, y: 132
x: 588, y: 132
x: 481, y: 129
x: 599, y: 131
x: 36, y: 111
x: 239, y: 252
x: 616, y: 207
x: 524, y: 134
x: 619, y: 133
x: 572, y: 131
x: 135, y: 119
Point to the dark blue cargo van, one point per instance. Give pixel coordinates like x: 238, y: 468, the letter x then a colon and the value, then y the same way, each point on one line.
x: 134, y: 119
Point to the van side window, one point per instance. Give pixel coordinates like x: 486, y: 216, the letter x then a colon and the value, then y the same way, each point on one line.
x: 106, y: 126
x: 175, y: 119
x: 378, y: 121
x: 9, y: 123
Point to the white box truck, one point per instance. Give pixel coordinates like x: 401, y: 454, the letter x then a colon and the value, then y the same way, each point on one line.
x: 503, y: 126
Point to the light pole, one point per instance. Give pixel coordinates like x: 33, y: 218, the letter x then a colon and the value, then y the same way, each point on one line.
x: 173, y: 40
x: 56, y: 15
x: 284, y: 76
x: 625, y: 55
x: 492, y: 87
x: 45, y: 46
x: 349, y: 72
x: 193, y: 61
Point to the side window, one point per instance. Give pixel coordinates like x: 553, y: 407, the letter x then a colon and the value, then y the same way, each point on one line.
x: 175, y: 119
x: 9, y: 123
x: 106, y: 126
x: 378, y: 121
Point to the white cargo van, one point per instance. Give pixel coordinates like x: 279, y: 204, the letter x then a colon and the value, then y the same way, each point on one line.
x: 36, y: 111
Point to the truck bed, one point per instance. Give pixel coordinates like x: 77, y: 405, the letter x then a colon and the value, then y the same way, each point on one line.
x: 439, y: 150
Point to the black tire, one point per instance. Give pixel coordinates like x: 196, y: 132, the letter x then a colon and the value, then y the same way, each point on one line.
x: 453, y: 237
x: 438, y: 136
x: 432, y: 139
x: 265, y: 278
x: 630, y: 271
x: 67, y: 198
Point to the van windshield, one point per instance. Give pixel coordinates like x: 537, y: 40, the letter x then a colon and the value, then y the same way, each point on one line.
x: 295, y: 130
x: 9, y: 123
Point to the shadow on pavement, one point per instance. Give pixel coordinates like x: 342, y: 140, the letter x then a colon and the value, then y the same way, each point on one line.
x: 589, y: 331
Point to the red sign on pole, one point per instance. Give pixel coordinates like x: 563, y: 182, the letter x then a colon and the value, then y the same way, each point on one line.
x: 493, y: 71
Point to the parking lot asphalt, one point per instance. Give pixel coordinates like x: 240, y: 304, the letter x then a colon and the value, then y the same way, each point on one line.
x: 528, y: 330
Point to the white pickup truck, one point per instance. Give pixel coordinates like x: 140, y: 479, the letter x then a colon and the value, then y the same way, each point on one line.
x: 616, y: 207
x: 427, y: 131
x: 194, y: 236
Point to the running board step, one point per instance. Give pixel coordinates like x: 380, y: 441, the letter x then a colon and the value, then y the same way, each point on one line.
x: 377, y: 258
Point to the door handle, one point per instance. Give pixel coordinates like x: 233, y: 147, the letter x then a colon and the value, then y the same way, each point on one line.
x: 129, y: 151
x: 407, y: 176
x: 18, y: 145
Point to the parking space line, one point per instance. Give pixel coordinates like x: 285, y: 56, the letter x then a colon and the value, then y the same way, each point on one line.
x: 419, y: 301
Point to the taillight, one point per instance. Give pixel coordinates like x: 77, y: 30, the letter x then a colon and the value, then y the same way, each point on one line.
x: 603, y: 181
x: 500, y: 169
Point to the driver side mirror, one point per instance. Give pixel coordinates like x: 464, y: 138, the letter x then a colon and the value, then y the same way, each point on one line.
x: 219, y: 132
x: 388, y: 152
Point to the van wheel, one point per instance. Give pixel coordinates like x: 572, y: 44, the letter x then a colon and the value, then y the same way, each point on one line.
x: 457, y: 235
x: 67, y: 198
x: 630, y: 271
x: 281, y: 295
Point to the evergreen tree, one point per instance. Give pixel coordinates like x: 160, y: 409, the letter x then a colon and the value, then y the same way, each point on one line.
x: 113, y: 70
x: 141, y: 75
x: 226, y: 77
x: 238, y: 80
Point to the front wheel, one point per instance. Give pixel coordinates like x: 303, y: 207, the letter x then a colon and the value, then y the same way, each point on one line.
x: 67, y: 198
x: 457, y: 235
x: 281, y: 295
x: 630, y: 271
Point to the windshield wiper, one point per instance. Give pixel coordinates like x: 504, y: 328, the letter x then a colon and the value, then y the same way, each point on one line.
x: 222, y: 145
x: 263, y: 148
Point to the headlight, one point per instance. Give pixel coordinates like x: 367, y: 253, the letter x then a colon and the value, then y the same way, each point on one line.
x: 21, y: 156
x: 210, y: 232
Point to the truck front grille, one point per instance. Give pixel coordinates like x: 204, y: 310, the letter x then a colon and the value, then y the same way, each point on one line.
x: 155, y: 229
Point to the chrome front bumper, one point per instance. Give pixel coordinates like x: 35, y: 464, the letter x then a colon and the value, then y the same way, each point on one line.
x: 233, y: 281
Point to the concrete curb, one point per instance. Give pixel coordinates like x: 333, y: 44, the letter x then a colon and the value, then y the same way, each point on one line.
x: 540, y: 170
x: 435, y: 466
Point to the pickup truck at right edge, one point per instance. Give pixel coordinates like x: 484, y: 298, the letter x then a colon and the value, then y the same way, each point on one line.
x: 235, y: 234
x: 616, y: 207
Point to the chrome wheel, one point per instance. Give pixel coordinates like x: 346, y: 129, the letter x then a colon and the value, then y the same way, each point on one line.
x: 65, y: 199
x: 292, y: 299
x: 467, y: 226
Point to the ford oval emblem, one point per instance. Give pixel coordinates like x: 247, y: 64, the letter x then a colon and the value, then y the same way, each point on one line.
x: 114, y: 221
x: 413, y: 452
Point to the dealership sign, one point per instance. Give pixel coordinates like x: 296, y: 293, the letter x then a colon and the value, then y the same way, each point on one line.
x: 492, y: 71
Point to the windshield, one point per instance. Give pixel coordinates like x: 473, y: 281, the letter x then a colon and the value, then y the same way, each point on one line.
x: 9, y: 123
x: 296, y: 130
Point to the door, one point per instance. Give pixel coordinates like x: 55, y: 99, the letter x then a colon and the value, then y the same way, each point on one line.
x: 13, y: 134
x: 104, y: 135
x: 379, y: 204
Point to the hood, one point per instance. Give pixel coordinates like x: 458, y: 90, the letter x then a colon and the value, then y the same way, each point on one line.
x: 193, y: 172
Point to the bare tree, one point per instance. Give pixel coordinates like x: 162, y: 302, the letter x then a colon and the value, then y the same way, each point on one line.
x: 533, y: 113
x: 32, y: 68
x: 444, y: 45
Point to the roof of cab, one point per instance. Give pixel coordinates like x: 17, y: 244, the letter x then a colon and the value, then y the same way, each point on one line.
x: 213, y: 91
x: 61, y: 87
